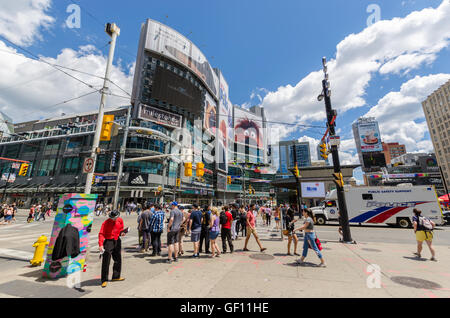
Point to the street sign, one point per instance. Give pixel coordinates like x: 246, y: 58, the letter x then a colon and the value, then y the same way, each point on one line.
x: 109, y: 179
x: 88, y: 165
x: 15, y: 165
x: 334, y: 140
x: 110, y: 174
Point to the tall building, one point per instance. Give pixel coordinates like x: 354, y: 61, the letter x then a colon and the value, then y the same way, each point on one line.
x: 393, y: 150
x: 179, y: 102
x: 368, y: 144
x: 287, y: 158
x: 437, y: 113
x: 6, y: 125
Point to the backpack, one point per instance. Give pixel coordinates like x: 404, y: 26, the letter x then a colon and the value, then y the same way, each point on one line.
x: 425, y: 224
x: 223, y: 218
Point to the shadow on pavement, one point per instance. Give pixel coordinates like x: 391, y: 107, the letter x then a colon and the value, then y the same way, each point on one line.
x: 414, y: 258
x: 304, y: 264
x: 37, y: 273
x: 91, y: 282
x: 159, y: 261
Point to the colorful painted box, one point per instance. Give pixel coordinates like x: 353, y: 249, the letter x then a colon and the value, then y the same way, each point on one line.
x: 66, y: 253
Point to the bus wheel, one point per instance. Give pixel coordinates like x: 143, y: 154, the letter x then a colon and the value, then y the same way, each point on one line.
x: 404, y: 223
x: 320, y: 220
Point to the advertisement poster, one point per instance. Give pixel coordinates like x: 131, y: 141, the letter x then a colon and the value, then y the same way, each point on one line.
x: 370, y: 137
x: 164, y: 40
x: 248, y: 131
x: 210, y: 117
x: 222, y: 132
x: 313, y: 190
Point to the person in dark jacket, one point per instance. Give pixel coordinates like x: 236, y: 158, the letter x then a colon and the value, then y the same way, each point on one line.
x: 110, y: 245
x: 204, y: 234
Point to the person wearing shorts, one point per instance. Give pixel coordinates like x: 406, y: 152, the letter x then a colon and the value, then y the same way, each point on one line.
x: 183, y: 231
x: 251, y: 223
x: 422, y: 234
x: 195, y: 226
x: 175, y: 220
x: 214, y: 224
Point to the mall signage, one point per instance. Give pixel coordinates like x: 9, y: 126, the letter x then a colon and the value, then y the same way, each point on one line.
x: 159, y: 116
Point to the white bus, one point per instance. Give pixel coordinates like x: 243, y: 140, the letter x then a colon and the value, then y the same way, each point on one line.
x: 382, y: 205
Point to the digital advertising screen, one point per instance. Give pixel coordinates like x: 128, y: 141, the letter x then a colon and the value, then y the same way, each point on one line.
x: 165, y: 40
x: 370, y: 137
x: 176, y: 90
x: 313, y: 190
x: 248, y: 129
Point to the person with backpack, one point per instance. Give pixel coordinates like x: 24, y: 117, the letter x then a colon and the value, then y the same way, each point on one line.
x: 423, y: 227
x: 204, y: 234
x: 225, y: 222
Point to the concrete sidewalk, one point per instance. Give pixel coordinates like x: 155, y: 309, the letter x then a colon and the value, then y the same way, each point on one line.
x: 254, y: 274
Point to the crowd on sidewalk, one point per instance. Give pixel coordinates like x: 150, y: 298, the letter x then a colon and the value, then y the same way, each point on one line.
x: 204, y: 226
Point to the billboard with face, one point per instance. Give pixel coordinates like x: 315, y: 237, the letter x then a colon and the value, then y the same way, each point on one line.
x: 370, y: 138
x: 210, y: 115
x: 164, y: 40
x: 248, y: 129
x: 223, y: 127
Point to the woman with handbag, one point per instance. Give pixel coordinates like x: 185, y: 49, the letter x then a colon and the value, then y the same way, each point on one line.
x: 309, y: 237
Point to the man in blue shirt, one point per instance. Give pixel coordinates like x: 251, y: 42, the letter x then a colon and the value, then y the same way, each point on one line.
x: 156, y: 229
x: 195, y: 226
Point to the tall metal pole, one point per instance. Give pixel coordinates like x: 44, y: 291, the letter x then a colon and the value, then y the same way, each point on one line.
x: 123, y: 148
x: 443, y: 181
x: 6, y: 185
x: 326, y: 93
x: 113, y: 31
x: 298, y: 185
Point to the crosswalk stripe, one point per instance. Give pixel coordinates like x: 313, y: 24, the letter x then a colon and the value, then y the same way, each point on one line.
x: 16, y: 254
x: 20, y: 238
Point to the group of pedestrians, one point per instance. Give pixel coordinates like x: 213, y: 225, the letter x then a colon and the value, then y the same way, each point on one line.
x: 40, y: 211
x: 8, y: 213
x: 103, y: 209
x: 204, y: 227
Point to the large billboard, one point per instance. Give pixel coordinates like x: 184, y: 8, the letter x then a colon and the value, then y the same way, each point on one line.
x: 249, y: 136
x: 159, y: 116
x: 370, y: 138
x: 313, y: 190
x: 210, y: 115
x: 164, y: 40
x: 176, y: 90
x: 223, y: 126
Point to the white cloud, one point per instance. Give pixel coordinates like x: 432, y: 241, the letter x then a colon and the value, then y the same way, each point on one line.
x: 388, y: 46
x: 28, y: 88
x: 22, y: 20
x: 400, y: 114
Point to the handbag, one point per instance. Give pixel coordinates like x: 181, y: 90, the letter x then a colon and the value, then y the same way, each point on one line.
x: 318, y: 244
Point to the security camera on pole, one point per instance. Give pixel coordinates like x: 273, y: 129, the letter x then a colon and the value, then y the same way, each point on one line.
x: 113, y: 31
x: 337, y: 175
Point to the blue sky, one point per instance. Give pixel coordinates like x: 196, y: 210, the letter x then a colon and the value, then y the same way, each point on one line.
x: 263, y: 47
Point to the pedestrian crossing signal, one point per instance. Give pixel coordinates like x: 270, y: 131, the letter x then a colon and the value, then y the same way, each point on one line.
x: 23, y: 169
x: 338, y: 179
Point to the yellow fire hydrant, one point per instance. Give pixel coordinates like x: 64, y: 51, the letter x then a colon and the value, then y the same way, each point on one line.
x: 40, y: 245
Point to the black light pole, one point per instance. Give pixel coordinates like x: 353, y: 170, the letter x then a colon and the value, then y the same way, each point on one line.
x: 331, y: 117
x: 297, y: 182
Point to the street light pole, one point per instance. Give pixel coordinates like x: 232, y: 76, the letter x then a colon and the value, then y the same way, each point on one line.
x: 114, y: 32
x: 331, y: 123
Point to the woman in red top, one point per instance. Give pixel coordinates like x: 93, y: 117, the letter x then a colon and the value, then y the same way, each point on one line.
x: 110, y: 245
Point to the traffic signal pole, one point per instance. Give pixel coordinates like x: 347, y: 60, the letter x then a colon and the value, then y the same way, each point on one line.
x: 114, y: 32
x: 326, y: 93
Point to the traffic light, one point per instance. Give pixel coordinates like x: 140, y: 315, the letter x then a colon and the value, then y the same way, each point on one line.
x: 178, y: 184
x: 338, y: 179
x: 296, y: 172
x: 93, y: 179
x: 199, y: 172
x: 159, y: 189
x: 323, y: 151
x: 107, y: 126
x: 23, y: 169
x: 188, y: 169
x: 229, y: 180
